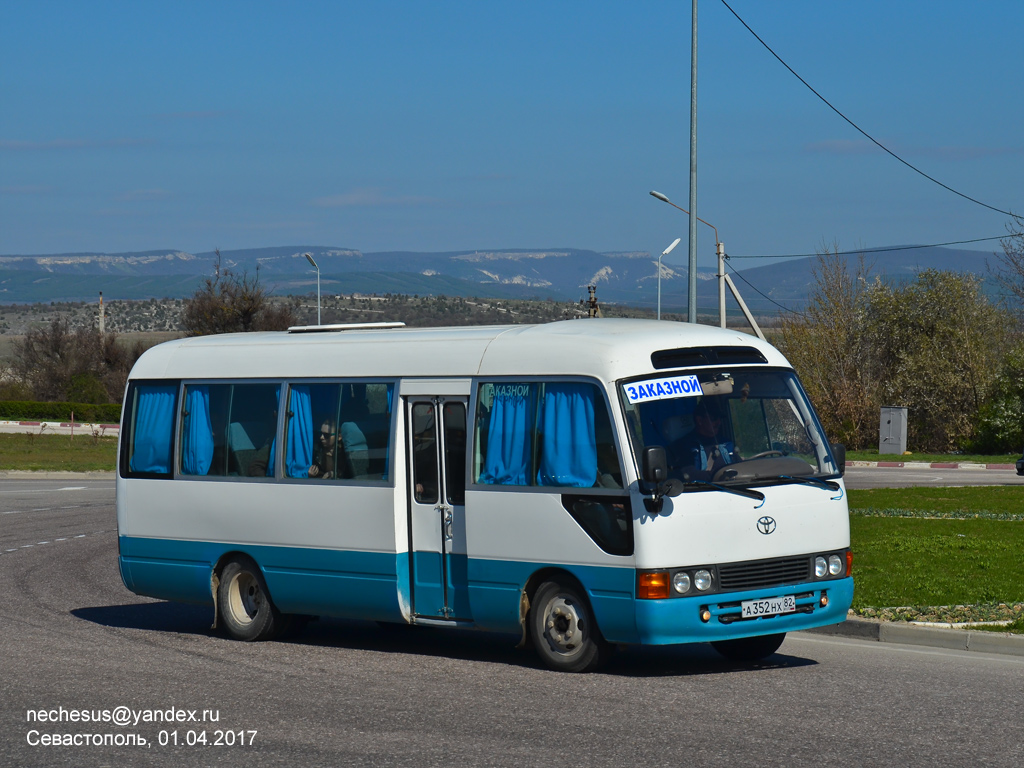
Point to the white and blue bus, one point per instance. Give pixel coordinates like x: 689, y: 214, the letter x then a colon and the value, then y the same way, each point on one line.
x: 583, y: 484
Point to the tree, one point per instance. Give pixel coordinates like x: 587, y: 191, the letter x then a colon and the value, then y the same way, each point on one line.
x: 936, y: 345
x: 1001, y: 419
x: 827, y: 346
x: 1009, y: 274
x: 228, y: 302
x: 61, y: 363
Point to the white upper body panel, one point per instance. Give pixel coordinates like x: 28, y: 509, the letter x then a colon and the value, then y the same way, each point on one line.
x: 608, y: 349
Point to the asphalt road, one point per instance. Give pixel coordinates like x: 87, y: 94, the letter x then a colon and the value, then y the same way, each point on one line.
x: 351, y: 693
x: 891, y: 477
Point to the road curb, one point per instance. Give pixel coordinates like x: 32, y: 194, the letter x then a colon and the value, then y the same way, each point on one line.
x: 927, y: 465
x: 51, y: 475
x: 904, y: 633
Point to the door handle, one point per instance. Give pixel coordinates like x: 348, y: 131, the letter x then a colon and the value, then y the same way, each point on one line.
x: 446, y: 521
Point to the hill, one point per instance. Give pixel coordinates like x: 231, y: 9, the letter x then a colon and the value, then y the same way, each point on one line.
x: 560, y: 274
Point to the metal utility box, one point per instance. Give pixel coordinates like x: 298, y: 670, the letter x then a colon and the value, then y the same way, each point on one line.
x: 892, y: 432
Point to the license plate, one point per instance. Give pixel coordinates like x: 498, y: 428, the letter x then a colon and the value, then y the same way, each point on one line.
x: 770, y: 607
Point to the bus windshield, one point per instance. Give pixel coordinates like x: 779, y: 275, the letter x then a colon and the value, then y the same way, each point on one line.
x: 729, y: 427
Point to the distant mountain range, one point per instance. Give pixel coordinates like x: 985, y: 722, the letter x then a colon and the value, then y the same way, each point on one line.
x: 561, y: 274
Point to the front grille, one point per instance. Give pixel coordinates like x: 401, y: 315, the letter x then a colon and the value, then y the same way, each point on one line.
x: 758, y: 574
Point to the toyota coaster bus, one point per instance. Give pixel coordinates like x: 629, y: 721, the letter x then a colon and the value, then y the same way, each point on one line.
x: 583, y: 484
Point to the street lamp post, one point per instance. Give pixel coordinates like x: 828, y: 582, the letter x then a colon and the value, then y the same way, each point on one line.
x: 664, y: 253
x: 309, y: 258
x: 692, y: 276
x: 723, y: 279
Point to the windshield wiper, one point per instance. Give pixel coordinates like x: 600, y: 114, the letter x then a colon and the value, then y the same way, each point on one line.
x: 750, y: 494
x: 830, y: 484
x: 827, y: 484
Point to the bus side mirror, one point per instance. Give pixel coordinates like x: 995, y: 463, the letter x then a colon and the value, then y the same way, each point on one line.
x: 839, y: 454
x: 655, y: 465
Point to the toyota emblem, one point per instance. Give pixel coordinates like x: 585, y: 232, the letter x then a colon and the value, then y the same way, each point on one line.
x: 766, y: 525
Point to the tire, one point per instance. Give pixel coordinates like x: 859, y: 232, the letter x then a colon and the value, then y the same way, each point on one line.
x: 749, y: 648
x: 246, y: 610
x: 563, y: 629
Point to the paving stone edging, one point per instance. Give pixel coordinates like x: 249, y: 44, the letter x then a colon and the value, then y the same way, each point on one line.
x: 933, y: 637
x: 927, y: 465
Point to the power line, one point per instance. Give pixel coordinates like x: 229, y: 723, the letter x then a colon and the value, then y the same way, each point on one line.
x: 857, y: 127
x: 859, y: 251
x: 769, y: 298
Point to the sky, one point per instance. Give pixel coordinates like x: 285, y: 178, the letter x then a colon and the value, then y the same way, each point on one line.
x: 443, y: 126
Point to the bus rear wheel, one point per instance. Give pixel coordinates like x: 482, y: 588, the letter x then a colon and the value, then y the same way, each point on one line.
x: 749, y: 648
x: 563, y: 629
x: 245, y: 607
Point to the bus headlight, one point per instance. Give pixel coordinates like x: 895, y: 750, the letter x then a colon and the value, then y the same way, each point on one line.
x: 820, y: 567
x: 681, y: 582
x: 702, y: 580
x: 835, y: 565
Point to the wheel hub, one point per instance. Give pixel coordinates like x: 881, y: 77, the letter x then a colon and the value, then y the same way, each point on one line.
x: 562, y: 626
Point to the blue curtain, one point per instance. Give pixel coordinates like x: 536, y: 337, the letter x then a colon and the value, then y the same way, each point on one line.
x: 197, y: 451
x: 299, y: 449
x: 272, y: 461
x: 153, y: 434
x: 568, y: 454
x: 509, y: 433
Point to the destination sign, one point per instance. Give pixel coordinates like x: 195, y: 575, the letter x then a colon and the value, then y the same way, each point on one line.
x: 662, y: 389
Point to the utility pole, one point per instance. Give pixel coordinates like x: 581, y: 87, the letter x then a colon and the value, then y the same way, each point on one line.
x: 691, y: 303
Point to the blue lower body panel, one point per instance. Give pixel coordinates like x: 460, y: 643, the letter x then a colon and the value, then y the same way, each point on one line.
x: 677, y: 620
x: 375, y: 586
x: 322, y: 582
x: 495, y: 588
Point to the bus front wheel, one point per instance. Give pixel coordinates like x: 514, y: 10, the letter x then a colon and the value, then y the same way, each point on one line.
x: 244, y: 601
x: 563, y: 629
x: 749, y: 648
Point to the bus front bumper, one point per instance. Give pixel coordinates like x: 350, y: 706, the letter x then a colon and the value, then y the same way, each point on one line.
x: 682, y: 619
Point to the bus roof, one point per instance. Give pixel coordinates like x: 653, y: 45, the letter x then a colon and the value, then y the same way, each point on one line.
x: 608, y: 348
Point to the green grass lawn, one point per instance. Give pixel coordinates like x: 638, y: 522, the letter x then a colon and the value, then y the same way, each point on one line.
x: 992, y: 501
x: 81, y: 453
x: 939, y: 554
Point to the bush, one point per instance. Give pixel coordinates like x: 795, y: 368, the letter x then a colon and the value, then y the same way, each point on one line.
x: 24, y: 410
x: 1001, y: 418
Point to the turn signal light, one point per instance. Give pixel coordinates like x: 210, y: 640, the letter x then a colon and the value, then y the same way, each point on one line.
x: 653, y: 586
x: 849, y: 562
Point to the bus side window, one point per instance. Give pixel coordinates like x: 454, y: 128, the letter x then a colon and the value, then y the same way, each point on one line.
x: 552, y: 434
x: 228, y: 429
x: 424, y: 453
x: 150, y: 426
x: 338, y: 431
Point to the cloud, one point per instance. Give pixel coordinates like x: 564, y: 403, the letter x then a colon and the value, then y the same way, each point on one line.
x: 69, y: 144
x: 369, y: 197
